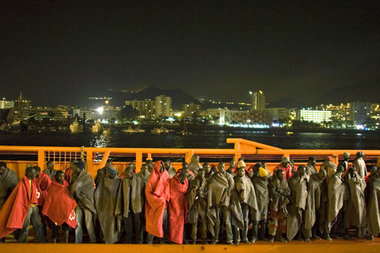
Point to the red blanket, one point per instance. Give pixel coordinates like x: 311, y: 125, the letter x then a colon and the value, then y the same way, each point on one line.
x: 43, y: 181
x: 68, y: 174
x: 157, y: 192
x: 59, y: 206
x: 177, y: 209
x: 15, y: 209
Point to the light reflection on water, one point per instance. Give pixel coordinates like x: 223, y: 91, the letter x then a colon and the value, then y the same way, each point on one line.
x: 208, y: 139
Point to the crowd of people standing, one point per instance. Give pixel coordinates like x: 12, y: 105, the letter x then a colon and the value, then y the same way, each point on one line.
x: 199, y: 203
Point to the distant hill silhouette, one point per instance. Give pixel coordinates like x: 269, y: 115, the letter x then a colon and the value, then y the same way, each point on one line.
x: 365, y: 91
x: 179, y: 97
x: 287, y: 102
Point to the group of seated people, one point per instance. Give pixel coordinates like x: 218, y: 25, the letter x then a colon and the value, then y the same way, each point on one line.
x: 195, y: 204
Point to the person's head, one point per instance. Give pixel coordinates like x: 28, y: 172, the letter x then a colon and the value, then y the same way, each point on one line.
x: 285, y: 161
x: 301, y: 170
x: 167, y: 164
x: 129, y: 170
x: 280, y: 174
x: 346, y: 155
x: 182, y: 176
x: 241, y: 172
x: 195, y: 159
x: 351, y: 171
x: 144, y: 168
x: 110, y: 173
x: 206, y: 167
x: 340, y: 169
x: 109, y: 163
x: 241, y: 164
x: 30, y: 172
x: 37, y: 170
x: 214, y: 169
x: 50, y: 165
x: 3, y: 167
x: 78, y: 166
x: 232, y: 163
x: 256, y: 168
x: 378, y: 173
x: 360, y: 154
x: 322, y: 174
x: 372, y: 169
x: 59, y: 176
x: 150, y: 165
x: 201, y: 173
x: 312, y: 160
x: 72, y: 163
x: 221, y: 166
x: 185, y: 166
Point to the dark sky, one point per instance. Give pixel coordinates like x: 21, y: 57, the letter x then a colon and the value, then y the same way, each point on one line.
x: 62, y: 53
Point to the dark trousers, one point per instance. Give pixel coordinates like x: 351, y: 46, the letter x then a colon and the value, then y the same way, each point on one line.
x: 259, y: 229
x: 133, y: 226
x: 194, y: 227
x: 244, y: 232
x: 33, y: 216
x: 225, y: 211
x: 88, y: 222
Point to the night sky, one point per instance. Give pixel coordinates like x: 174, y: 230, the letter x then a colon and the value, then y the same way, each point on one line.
x: 61, y: 53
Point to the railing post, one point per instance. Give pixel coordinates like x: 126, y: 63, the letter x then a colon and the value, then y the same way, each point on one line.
x: 378, y: 161
x: 41, y: 159
x: 90, y: 162
x: 138, y: 161
x: 335, y: 158
x: 189, y: 155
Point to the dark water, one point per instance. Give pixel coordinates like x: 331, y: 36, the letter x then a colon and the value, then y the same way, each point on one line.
x: 208, y: 139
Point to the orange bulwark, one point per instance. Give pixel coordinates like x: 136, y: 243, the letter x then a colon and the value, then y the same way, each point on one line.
x: 251, y: 151
x: 96, y: 157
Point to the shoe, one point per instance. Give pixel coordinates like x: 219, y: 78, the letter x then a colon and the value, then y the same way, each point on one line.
x: 371, y: 238
x: 307, y: 240
x: 230, y: 243
x: 282, y: 239
x: 328, y: 238
x: 252, y: 241
x: 316, y: 237
x: 237, y: 243
x: 214, y: 242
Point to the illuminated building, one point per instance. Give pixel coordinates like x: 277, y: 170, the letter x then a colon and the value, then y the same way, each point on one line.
x: 258, y: 100
x: 145, y: 107
x: 191, y: 109
x: 163, y: 106
x: 316, y: 116
x: 6, y: 104
x: 360, y: 112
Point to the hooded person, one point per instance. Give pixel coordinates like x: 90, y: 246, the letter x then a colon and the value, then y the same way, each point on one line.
x: 260, y: 180
x: 105, y: 197
x: 286, y: 166
x: 8, y: 181
x: 329, y: 167
x: 248, y: 201
x: 232, y: 167
x: 298, y: 185
x: 178, y: 209
x: 360, y: 165
x: 197, y: 204
x: 50, y: 171
x: 220, y: 187
x: 82, y: 190
x: 310, y: 167
x: 144, y: 173
x: 313, y: 204
x: 185, y: 169
x: 157, y: 194
x: 337, y: 194
x: 102, y: 172
x: 356, y: 206
x: 129, y: 205
x: 20, y: 209
x: 373, y: 206
x: 169, y: 167
x: 345, y: 162
x: 278, y: 192
x: 194, y: 165
x: 59, y: 207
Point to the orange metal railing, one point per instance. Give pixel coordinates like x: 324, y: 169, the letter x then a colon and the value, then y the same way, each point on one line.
x: 96, y: 157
